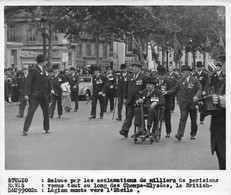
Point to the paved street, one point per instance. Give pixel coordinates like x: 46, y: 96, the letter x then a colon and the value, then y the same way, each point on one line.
x: 77, y: 143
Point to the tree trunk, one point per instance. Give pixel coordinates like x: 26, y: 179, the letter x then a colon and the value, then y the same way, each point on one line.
x: 50, y: 45
x: 163, y: 52
x: 97, y: 49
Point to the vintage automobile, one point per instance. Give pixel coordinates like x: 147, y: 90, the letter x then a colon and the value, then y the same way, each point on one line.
x: 85, y: 87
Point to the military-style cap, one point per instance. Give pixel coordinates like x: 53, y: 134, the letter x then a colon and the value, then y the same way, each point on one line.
x: 123, y: 66
x: 185, y: 67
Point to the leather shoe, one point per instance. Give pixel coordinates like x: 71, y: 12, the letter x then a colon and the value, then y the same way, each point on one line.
x: 201, y: 122
x: 75, y: 110
x: 101, y: 117
x: 125, y: 134
x: 92, y: 117
x: 51, y: 116
x: 59, y: 116
x: 24, y: 133
x: 47, y: 131
x: 192, y: 138
x: 168, y: 135
x: 118, y: 119
x: 178, y: 137
x: 20, y: 116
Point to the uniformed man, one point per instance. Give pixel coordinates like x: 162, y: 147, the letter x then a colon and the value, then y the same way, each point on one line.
x: 218, y: 118
x: 189, y: 90
x: 74, y: 83
x: 110, y: 89
x: 173, y: 77
x: 21, y: 86
x: 151, y: 99
x: 164, y: 84
x: 99, y: 88
x: 217, y: 76
x: 38, y: 88
x: 203, y: 77
x: 56, y: 79
x: 122, y: 80
x: 135, y: 83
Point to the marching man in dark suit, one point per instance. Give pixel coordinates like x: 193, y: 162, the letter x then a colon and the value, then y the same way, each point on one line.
x: 74, y: 83
x: 189, y: 90
x: 203, y: 77
x: 164, y: 84
x: 110, y: 89
x: 56, y: 79
x: 122, y: 80
x: 151, y: 98
x: 99, y: 88
x: 37, y: 90
x: 135, y: 84
x: 217, y: 76
x: 21, y: 87
x: 218, y: 119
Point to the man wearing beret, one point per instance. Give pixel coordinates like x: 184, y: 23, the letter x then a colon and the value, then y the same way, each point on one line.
x: 135, y: 84
x: 189, y: 90
x: 165, y: 84
x: 203, y: 77
x: 99, y: 88
x: 56, y: 79
x: 122, y: 80
x: 110, y: 89
x: 74, y: 83
x: 218, y: 118
x: 38, y: 88
x: 217, y: 76
x: 151, y: 99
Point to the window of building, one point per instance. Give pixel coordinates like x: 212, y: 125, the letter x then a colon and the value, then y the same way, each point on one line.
x: 105, y: 51
x: 79, y: 50
x: 31, y: 35
x: 11, y: 34
x: 88, y: 50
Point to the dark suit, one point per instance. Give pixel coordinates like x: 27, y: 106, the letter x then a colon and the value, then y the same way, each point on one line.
x: 99, y: 85
x: 133, y: 86
x: 57, y: 97
x: 110, y: 92
x: 204, y: 80
x: 154, y: 96
x: 215, y: 78
x: 38, y: 87
x: 165, y: 85
x: 122, y: 80
x: 218, y: 130
x: 21, y: 87
x: 186, y: 92
x: 173, y: 78
x: 74, y: 83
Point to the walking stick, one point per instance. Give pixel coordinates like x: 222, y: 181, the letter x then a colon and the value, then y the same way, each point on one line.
x: 115, y: 102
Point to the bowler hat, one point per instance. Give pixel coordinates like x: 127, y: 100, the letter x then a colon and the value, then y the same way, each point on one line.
x: 40, y: 58
x: 185, y: 67
x: 219, y: 64
x: 138, y: 65
x: 199, y: 64
x: 150, y: 80
x: 72, y: 68
x: 161, y: 70
x: 221, y: 55
x: 123, y: 66
x: 55, y: 67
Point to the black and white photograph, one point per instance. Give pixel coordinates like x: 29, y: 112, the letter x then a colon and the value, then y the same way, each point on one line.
x: 121, y: 97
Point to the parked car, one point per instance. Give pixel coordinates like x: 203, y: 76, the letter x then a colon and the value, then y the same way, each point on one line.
x: 85, y: 87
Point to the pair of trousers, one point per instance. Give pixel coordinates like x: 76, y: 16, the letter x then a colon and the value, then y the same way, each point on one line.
x: 221, y: 160
x: 75, y: 98
x: 167, y: 119
x: 56, y: 99
x: 120, y: 106
x: 151, y: 116
x: 109, y: 96
x: 22, y: 105
x: 33, y: 105
x: 94, y: 104
x: 173, y: 98
x: 129, y: 117
x: 183, y: 119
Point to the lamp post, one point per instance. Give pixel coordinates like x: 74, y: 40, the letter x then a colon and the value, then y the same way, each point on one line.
x: 43, y: 25
x: 167, y: 44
